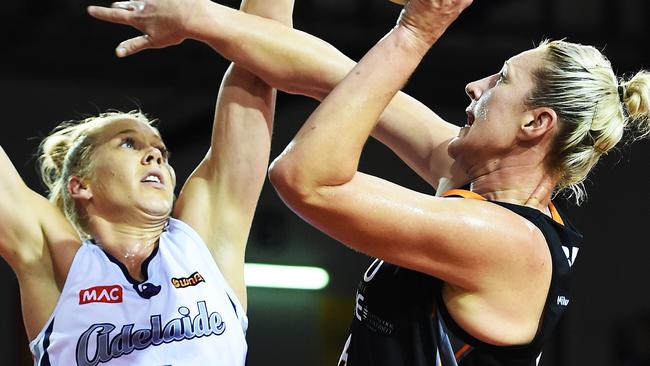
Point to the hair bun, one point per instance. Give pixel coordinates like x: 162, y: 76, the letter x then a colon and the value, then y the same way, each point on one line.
x: 636, y: 101
x: 53, y: 150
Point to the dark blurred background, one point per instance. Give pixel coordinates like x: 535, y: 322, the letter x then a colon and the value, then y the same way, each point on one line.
x: 58, y: 64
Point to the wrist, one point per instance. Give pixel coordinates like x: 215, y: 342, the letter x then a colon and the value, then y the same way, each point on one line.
x: 412, y: 39
x: 199, y: 17
x: 425, y: 23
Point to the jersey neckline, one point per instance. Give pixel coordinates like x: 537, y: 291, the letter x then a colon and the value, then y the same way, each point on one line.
x: 555, y: 215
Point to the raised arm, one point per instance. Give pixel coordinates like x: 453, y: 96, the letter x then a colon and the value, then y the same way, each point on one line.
x: 463, y: 242
x: 28, y: 224
x: 296, y: 62
x: 17, y: 223
x: 220, y: 197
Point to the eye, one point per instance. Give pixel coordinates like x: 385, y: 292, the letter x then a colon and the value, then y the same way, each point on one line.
x: 128, y: 142
x: 502, y: 77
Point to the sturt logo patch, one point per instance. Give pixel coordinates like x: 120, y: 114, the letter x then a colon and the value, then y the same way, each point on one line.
x: 193, y: 280
x: 108, y: 294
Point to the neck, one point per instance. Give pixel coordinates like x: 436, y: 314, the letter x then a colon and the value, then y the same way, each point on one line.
x: 513, y: 181
x: 129, y: 243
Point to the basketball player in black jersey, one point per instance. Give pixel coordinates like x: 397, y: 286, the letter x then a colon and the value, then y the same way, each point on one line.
x: 478, y: 277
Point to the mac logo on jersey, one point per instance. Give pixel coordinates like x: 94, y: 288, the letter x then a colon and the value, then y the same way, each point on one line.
x: 108, y: 294
x: 193, y: 280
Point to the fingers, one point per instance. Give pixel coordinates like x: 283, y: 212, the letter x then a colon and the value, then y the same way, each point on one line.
x: 134, y: 45
x: 113, y: 15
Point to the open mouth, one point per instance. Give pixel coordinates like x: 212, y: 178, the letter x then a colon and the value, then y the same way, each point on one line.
x: 470, y: 118
x: 154, y: 178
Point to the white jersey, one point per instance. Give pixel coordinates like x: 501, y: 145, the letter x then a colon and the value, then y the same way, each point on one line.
x: 182, y: 314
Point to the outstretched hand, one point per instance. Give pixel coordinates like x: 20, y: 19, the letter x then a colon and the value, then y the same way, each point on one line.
x: 428, y: 19
x: 162, y: 22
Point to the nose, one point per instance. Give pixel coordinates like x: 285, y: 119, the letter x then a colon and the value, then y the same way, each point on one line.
x: 473, y: 90
x: 152, y: 155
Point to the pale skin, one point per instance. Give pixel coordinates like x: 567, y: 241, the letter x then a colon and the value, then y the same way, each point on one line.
x: 495, y: 264
x: 295, y: 62
x: 126, y: 214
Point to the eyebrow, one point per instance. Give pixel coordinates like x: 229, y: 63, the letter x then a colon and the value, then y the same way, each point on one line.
x: 124, y: 132
x: 130, y: 130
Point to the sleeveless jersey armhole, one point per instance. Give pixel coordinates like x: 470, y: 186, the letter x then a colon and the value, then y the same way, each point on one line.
x: 74, y: 268
x: 176, y: 224
x: 535, y: 217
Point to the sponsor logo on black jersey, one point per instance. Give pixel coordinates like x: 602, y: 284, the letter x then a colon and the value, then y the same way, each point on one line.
x: 108, y: 294
x: 562, y: 300
x: 571, y: 253
x: 193, y: 280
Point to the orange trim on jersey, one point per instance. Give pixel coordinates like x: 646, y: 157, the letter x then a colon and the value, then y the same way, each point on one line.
x: 464, y: 193
x: 473, y: 195
x: 554, y: 214
x: 462, y: 351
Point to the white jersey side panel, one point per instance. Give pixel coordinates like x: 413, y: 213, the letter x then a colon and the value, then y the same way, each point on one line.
x: 183, y: 314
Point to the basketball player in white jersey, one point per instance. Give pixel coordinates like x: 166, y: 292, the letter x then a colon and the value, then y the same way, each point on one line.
x: 111, y: 269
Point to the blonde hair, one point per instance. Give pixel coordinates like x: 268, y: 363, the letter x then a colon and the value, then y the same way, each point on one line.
x: 594, y: 108
x: 67, y: 151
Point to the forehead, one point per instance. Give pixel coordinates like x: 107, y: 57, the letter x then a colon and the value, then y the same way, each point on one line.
x: 115, y: 127
x: 527, y: 60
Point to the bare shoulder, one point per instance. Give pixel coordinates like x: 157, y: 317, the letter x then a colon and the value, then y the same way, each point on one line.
x: 39, y: 243
x: 513, y: 293
x: 494, y: 225
x: 46, y: 236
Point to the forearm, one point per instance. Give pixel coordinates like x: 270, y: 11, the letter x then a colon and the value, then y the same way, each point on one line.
x: 241, y: 136
x: 244, y: 112
x: 288, y: 59
x: 326, y: 150
x: 299, y: 63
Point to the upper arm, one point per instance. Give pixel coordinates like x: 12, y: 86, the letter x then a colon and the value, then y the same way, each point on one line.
x: 219, y: 198
x: 38, y: 243
x: 20, y: 231
x: 29, y: 222
x: 471, y: 244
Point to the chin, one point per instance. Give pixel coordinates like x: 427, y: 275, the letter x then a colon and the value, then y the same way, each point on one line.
x: 452, y: 147
x: 161, y: 210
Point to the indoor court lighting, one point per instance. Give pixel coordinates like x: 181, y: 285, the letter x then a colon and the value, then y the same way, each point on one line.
x: 289, y: 277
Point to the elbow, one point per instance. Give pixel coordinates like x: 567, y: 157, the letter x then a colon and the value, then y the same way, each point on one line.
x: 290, y: 181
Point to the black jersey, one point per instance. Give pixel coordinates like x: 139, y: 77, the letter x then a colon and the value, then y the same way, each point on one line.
x: 401, y: 320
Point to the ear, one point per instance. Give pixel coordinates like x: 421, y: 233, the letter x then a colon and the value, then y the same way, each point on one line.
x: 538, y: 122
x: 78, y: 189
